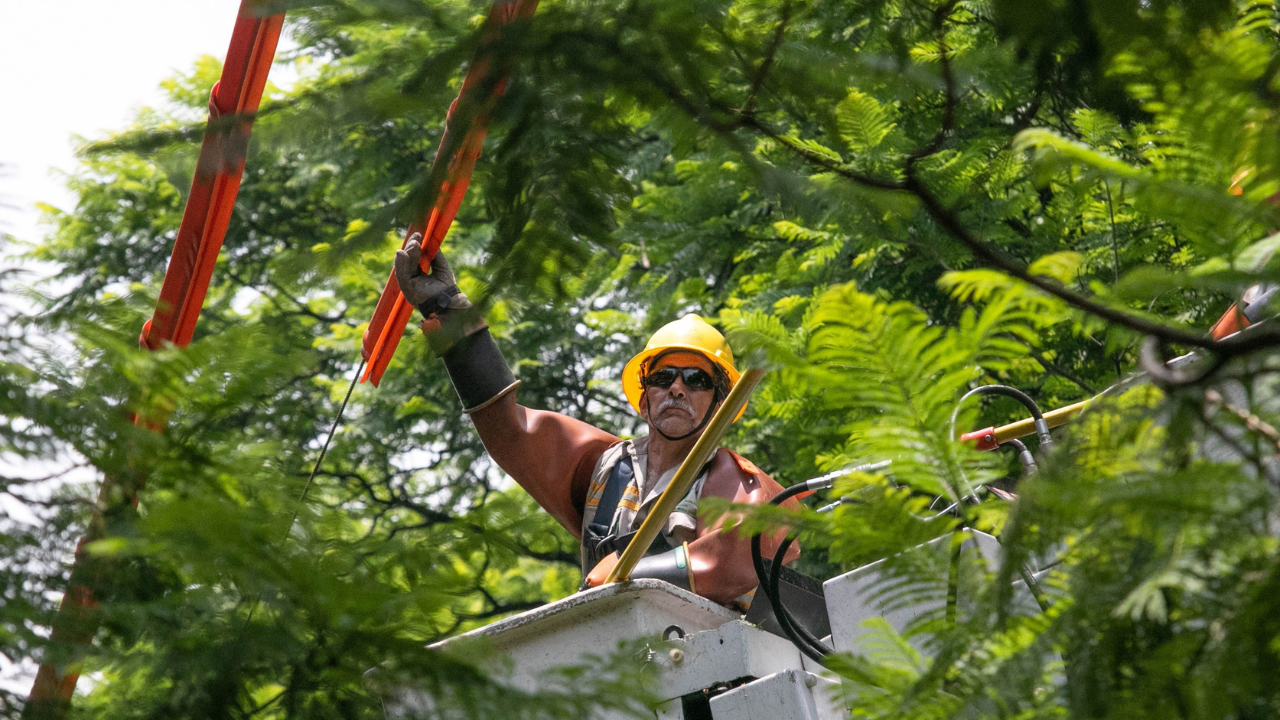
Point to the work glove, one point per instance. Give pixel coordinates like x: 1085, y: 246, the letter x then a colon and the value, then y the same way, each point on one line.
x: 435, y: 294
x: 601, y: 571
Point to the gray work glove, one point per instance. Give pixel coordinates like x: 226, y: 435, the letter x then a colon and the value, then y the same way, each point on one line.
x: 432, y: 294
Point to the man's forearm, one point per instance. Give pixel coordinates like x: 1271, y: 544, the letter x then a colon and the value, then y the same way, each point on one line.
x: 673, y: 566
x: 548, y: 454
x: 478, y: 371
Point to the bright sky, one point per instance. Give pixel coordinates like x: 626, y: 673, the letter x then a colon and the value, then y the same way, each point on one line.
x: 81, y: 67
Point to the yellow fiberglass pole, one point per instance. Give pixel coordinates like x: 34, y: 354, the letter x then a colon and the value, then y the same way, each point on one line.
x: 688, y: 472
x: 1053, y: 419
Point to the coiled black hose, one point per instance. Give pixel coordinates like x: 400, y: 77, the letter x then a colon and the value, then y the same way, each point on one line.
x: 780, y: 611
x: 808, y: 644
x: 802, y: 638
x: 770, y: 579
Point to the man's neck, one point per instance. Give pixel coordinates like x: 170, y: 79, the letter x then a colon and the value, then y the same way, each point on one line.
x: 666, y: 454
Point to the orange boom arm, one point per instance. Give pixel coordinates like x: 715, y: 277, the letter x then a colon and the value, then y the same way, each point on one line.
x: 232, y: 104
x: 465, y: 126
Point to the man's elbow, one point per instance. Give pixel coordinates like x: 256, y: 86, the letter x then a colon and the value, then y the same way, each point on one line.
x: 793, y: 554
x: 770, y: 542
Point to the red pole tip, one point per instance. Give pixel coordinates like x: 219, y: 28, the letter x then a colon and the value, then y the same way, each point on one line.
x: 145, y: 336
x: 984, y: 439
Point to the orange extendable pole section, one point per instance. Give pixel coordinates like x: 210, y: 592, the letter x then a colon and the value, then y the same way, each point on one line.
x: 232, y: 105
x: 465, y: 126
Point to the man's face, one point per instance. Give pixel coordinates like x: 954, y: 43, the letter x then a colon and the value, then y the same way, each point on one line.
x: 677, y: 409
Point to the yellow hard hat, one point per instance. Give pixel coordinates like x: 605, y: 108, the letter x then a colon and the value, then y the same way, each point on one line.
x: 690, y: 333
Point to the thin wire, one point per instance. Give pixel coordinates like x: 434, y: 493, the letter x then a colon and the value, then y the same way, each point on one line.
x: 324, y: 450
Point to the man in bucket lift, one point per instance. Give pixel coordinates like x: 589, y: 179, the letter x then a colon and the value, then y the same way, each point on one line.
x: 599, y: 487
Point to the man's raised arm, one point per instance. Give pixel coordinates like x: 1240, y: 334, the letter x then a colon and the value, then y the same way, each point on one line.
x: 549, y: 454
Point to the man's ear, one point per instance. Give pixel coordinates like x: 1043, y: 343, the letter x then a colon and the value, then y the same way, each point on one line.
x: 644, y: 404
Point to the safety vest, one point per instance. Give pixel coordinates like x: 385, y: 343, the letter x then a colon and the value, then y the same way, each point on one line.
x: 619, y: 499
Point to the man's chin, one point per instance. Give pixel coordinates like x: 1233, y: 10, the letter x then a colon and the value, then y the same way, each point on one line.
x: 674, y: 429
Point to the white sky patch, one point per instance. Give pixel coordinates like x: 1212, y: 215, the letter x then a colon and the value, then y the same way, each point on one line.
x: 84, y: 67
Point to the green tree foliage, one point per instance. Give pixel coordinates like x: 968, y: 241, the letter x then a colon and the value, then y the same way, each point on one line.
x: 888, y: 202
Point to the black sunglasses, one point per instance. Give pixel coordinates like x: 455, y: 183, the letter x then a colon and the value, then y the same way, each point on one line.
x: 694, y: 378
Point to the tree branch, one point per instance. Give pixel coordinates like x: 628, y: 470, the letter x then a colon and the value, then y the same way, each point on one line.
x: 501, y: 610
x: 948, y: 220
x: 1251, y: 421
x: 302, y: 307
x: 763, y: 70
x: 949, y: 83
x: 1062, y: 372
x: 751, y: 121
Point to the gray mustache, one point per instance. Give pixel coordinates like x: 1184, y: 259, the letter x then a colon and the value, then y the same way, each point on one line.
x: 676, y: 403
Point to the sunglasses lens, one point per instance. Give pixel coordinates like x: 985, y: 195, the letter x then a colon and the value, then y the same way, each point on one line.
x: 694, y: 378
x: 661, y: 378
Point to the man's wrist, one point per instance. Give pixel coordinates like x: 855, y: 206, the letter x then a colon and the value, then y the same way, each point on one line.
x: 449, y: 299
x: 444, y: 327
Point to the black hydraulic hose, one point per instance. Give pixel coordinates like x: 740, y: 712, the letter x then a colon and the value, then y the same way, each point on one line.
x: 793, y: 628
x: 1042, y: 428
x: 766, y: 586
x: 1028, y: 460
x: 769, y: 581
